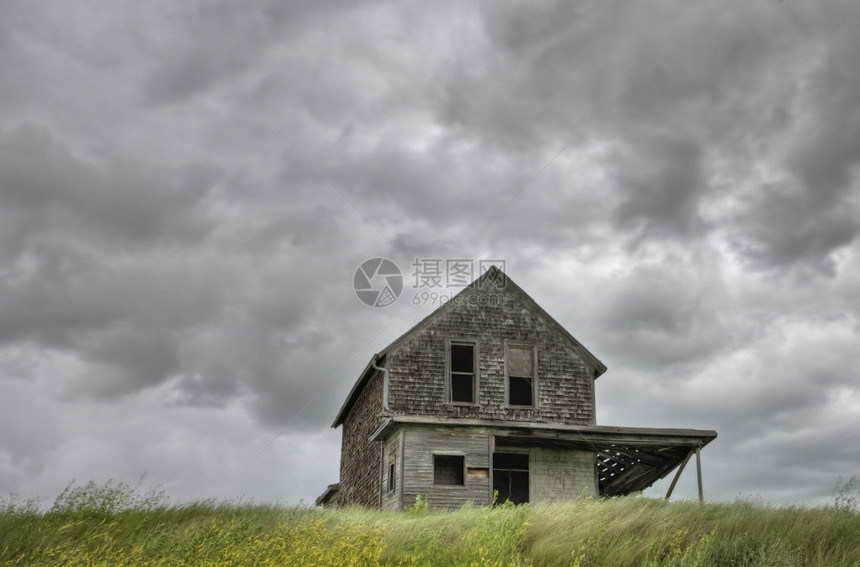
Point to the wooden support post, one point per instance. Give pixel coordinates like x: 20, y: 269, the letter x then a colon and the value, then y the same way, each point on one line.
x: 492, y: 448
x: 699, y: 472
x: 678, y: 475
x: 381, y: 446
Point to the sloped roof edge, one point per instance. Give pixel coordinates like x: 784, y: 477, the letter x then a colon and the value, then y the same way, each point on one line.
x: 358, y: 387
x: 327, y: 495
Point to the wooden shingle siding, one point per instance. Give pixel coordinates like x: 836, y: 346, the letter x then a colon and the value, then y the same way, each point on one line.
x: 420, y: 446
x: 418, y: 378
x: 359, y: 463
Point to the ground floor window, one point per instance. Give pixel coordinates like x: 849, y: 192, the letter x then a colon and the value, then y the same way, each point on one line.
x: 511, y: 477
x: 449, y: 469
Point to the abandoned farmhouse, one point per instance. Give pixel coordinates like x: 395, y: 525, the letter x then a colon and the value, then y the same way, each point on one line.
x: 489, y: 395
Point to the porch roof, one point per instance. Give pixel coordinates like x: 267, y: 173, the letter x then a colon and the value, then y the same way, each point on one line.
x: 330, y: 494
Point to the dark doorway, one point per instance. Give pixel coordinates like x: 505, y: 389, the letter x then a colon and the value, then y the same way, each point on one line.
x: 511, y: 477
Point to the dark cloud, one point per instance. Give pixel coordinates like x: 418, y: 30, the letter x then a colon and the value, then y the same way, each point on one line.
x: 199, y: 46
x: 185, y: 193
x: 789, y: 226
x: 45, y: 188
x: 664, y: 195
x: 132, y: 359
x: 808, y: 213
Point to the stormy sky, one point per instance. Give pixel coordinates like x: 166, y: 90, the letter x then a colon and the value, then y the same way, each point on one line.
x: 186, y: 191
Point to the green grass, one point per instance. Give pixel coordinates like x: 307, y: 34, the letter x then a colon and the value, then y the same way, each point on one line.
x: 113, y: 525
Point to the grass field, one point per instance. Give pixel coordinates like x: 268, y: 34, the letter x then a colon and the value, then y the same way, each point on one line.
x: 114, y: 525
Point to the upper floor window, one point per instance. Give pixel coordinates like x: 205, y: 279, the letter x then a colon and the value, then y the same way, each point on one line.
x: 520, y: 365
x: 462, y: 382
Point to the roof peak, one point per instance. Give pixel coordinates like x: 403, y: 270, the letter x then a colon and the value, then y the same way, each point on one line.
x: 492, y: 279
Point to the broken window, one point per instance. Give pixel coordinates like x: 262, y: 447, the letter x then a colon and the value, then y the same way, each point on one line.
x: 521, y: 376
x: 511, y: 477
x: 462, y: 373
x: 391, y: 482
x: 448, y: 469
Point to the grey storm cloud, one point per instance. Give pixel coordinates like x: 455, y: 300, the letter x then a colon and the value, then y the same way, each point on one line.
x: 45, y: 187
x: 664, y: 196
x: 186, y: 191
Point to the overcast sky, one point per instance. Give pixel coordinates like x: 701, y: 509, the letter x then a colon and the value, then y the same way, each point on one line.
x: 186, y: 190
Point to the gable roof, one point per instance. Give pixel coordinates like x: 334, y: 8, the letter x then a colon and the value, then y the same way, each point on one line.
x: 496, y: 280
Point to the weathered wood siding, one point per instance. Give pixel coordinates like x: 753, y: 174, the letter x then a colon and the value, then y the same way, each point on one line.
x: 554, y: 474
x: 561, y: 474
x: 392, y: 455
x: 418, y: 368
x: 359, y: 461
x: 421, y: 443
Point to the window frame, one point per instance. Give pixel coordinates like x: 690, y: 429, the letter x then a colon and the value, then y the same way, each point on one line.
x: 534, y: 377
x: 463, y: 472
x: 476, y: 372
x: 392, y: 473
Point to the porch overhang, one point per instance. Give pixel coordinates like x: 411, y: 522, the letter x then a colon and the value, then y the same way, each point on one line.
x: 329, y: 496
x: 629, y: 459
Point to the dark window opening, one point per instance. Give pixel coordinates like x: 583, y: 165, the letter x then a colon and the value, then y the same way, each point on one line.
x: 521, y: 376
x: 462, y: 358
x: 391, y: 484
x: 511, y: 477
x: 448, y: 469
x: 520, y: 391
x: 463, y: 373
x: 511, y: 461
x: 461, y: 389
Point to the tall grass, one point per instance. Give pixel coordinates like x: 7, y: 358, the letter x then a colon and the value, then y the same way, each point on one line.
x: 113, y: 525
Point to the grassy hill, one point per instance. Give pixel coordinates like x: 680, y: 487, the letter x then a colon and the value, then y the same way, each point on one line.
x: 112, y: 525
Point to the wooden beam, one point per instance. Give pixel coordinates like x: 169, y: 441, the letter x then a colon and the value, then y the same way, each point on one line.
x: 649, y: 458
x: 592, y: 440
x: 646, y: 436
x: 678, y: 475
x: 699, y: 473
x: 631, y: 456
